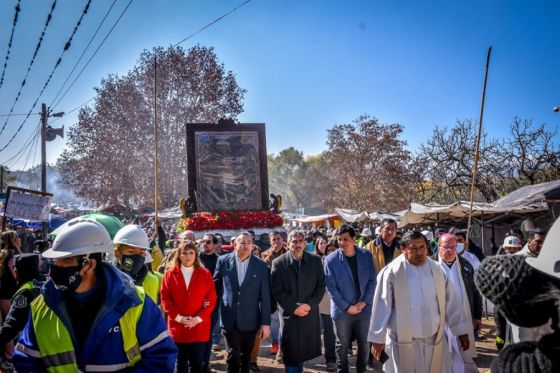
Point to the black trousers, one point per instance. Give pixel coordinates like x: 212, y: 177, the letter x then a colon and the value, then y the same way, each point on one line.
x: 190, y: 357
x: 239, y: 346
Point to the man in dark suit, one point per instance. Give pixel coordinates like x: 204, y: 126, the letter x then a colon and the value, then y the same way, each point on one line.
x: 298, y: 284
x: 350, y: 279
x: 243, y: 287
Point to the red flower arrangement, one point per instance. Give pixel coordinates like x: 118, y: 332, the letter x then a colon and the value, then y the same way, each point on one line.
x: 205, y: 221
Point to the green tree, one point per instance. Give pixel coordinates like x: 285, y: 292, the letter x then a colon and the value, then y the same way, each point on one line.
x: 302, y: 182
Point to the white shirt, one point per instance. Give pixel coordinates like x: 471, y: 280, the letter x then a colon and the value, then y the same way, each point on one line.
x: 241, y: 266
x: 187, y: 274
x: 424, y: 310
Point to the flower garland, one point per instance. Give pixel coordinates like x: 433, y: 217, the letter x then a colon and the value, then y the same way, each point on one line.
x: 201, y: 221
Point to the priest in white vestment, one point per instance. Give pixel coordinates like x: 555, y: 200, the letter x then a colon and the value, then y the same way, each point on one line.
x: 453, y: 265
x: 413, y: 303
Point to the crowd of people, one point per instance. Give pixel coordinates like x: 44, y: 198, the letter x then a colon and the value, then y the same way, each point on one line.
x: 154, y: 300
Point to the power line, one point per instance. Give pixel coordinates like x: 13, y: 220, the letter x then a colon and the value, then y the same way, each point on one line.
x: 93, y: 55
x: 211, y: 23
x: 18, y: 8
x: 84, y: 52
x: 66, y: 47
x: 114, y: 25
x: 33, y: 163
x: 37, y: 47
x: 27, y: 160
x: 14, y: 115
x: 73, y: 110
x: 30, y: 139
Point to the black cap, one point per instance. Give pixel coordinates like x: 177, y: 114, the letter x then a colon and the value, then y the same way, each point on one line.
x: 26, y: 263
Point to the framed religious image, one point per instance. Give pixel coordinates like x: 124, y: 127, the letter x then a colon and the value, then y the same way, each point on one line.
x: 227, y: 167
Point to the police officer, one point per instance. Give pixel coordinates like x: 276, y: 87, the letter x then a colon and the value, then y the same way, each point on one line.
x: 131, y: 250
x: 90, y: 316
x: 26, y: 270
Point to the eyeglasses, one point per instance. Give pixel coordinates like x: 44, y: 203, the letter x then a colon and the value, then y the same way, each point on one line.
x: 207, y: 242
x: 244, y: 243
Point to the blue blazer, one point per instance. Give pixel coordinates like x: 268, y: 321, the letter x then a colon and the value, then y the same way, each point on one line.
x: 246, y: 305
x: 340, y: 283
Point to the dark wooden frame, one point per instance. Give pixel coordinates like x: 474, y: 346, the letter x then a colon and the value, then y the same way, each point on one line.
x: 227, y: 126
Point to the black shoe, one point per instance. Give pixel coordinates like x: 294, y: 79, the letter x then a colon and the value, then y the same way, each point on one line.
x: 254, y: 367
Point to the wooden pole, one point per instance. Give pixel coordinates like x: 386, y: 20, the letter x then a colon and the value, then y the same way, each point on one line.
x: 155, y: 140
x: 477, y: 146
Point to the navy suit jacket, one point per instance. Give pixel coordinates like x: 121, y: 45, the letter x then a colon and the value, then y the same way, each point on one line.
x: 340, y: 283
x: 246, y: 305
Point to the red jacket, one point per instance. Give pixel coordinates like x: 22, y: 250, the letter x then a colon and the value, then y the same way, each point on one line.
x: 176, y: 299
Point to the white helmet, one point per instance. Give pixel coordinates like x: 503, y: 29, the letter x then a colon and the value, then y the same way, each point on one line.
x: 366, y: 232
x: 428, y: 234
x: 80, y: 237
x: 132, y: 235
x: 512, y: 241
x: 548, y: 260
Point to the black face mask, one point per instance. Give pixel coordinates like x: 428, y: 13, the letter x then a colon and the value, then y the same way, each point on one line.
x: 66, y: 278
x: 132, y: 263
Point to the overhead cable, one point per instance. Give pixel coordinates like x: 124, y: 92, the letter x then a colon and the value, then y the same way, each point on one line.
x: 211, y: 23
x: 18, y: 8
x: 93, y: 55
x: 66, y: 47
x: 37, y: 47
x: 83, y: 53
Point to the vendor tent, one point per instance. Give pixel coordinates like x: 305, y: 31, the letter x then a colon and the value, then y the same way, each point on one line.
x: 531, y: 197
x: 525, y: 200
x: 353, y: 216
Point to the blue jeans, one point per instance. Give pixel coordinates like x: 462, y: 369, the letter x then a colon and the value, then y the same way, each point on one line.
x: 298, y: 368
x: 275, y: 328
x: 329, y: 339
x: 190, y: 357
x: 359, y: 326
x: 276, y: 318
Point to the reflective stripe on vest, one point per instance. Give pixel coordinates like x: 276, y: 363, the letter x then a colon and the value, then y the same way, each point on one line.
x: 151, y: 286
x: 27, y: 286
x: 55, y: 344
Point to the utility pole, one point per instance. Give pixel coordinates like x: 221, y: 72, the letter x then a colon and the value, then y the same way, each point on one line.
x: 44, y: 115
x: 1, y: 179
x: 47, y: 134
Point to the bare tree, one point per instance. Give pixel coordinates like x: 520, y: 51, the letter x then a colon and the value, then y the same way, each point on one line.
x: 445, y: 162
x: 532, y: 155
x: 110, y: 155
x: 369, y: 165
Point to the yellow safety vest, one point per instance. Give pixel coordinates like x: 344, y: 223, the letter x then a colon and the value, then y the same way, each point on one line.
x: 151, y: 286
x: 157, y: 257
x: 27, y: 286
x: 55, y: 344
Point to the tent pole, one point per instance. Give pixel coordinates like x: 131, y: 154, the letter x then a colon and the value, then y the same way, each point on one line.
x: 477, y: 147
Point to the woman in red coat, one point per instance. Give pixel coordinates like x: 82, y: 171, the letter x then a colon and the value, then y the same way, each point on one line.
x: 188, y: 297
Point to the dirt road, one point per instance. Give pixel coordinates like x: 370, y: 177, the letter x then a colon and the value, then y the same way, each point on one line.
x: 486, y: 349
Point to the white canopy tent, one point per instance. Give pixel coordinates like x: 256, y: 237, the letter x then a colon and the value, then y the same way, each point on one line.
x: 525, y: 200
x: 352, y: 216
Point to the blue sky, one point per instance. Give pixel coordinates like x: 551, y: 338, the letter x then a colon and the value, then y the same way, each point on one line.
x: 308, y: 65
